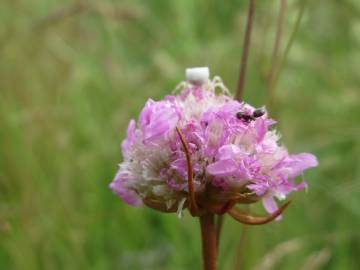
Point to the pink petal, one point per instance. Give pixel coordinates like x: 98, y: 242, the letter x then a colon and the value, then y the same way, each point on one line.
x: 118, y: 187
x: 261, y: 128
x: 228, y: 151
x: 130, y: 137
x: 301, y: 162
x: 270, y: 205
x: 223, y: 168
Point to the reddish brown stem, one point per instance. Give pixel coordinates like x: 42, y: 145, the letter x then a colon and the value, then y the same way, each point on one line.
x: 245, y: 53
x: 208, y: 236
x: 194, y: 210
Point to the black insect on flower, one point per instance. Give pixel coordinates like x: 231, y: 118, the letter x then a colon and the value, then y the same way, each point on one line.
x: 259, y: 112
x: 250, y: 117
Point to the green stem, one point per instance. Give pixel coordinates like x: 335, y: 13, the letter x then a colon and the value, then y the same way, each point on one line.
x: 277, y: 71
x: 245, y: 53
x: 274, y: 60
x: 240, y: 248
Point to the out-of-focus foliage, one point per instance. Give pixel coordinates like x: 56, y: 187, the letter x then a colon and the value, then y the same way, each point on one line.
x: 72, y: 74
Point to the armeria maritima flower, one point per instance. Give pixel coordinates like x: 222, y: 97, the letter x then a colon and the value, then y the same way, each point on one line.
x: 201, y: 149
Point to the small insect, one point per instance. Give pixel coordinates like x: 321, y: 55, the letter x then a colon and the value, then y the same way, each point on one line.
x: 244, y: 116
x: 259, y: 112
x: 250, y: 117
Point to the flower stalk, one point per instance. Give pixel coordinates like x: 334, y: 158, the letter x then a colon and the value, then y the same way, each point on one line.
x: 208, y: 236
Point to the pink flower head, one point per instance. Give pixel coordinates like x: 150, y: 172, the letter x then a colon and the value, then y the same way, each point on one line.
x: 234, y: 151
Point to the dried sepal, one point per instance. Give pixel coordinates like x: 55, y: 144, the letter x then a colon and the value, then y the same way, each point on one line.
x: 160, y: 206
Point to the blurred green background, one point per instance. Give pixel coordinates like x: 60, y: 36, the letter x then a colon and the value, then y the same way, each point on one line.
x: 72, y: 74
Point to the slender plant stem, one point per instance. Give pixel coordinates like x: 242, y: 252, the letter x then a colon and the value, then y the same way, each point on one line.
x: 240, y: 248
x: 245, y: 53
x: 288, y: 46
x: 275, y: 53
x: 208, y: 236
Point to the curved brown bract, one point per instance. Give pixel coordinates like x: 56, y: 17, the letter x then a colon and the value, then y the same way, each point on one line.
x: 256, y: 220
x: 193, y: 207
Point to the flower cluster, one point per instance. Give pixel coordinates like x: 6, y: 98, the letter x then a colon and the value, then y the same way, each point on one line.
x: 233, y: 147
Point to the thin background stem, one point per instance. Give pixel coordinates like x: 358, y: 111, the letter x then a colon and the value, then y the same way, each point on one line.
x: 287, y: 50
x: 275, y: 53
x: 79, y: 7
x: 240, y: 248
x: 245, y: 53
